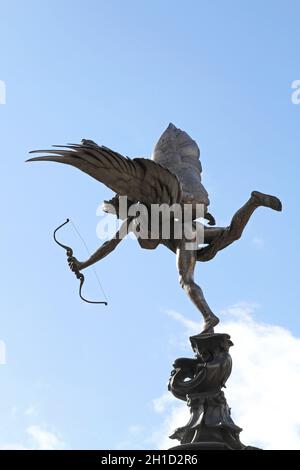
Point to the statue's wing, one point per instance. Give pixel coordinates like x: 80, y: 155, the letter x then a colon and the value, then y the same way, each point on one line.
x: 140, y: 179
x: 178, y: 152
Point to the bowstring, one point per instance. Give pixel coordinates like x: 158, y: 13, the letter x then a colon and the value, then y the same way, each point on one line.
x: 89, y: 254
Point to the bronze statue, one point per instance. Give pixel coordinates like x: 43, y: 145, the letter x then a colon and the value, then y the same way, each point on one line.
x: 172, y: 176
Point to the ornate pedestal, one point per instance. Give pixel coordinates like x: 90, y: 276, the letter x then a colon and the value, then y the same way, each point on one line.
x: 199, y: 382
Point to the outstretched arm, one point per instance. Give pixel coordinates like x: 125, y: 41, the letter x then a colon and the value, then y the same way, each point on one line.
x: 103, y: 251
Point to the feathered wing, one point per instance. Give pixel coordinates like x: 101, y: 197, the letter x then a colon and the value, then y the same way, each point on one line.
x: 141, y: 180
x: 178, y: 152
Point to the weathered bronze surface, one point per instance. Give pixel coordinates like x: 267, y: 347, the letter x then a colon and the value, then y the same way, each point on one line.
x: 172, y: 176
x: 199, y: 382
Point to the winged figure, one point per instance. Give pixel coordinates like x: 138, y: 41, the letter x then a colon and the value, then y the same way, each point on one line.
x: 172, y: 176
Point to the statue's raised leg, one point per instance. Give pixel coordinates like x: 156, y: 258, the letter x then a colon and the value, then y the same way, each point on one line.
x: 220, y: 238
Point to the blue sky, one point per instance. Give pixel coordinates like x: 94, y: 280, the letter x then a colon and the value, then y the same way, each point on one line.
x: 118, y: 73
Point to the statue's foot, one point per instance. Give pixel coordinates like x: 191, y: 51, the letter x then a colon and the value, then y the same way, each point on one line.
x: 209, y: 324
x: 267, y: 201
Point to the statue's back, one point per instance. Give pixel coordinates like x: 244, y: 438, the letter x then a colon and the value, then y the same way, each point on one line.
x: 178, y: 152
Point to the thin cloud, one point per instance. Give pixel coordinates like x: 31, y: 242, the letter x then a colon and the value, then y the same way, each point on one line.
x: 264, y: 385
x: 37, y: 439
x: 30, y: 411
x: 44, y: 440
x: 258, y: 242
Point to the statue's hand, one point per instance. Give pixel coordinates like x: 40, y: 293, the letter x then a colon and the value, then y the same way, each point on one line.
x: 74, y: 264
